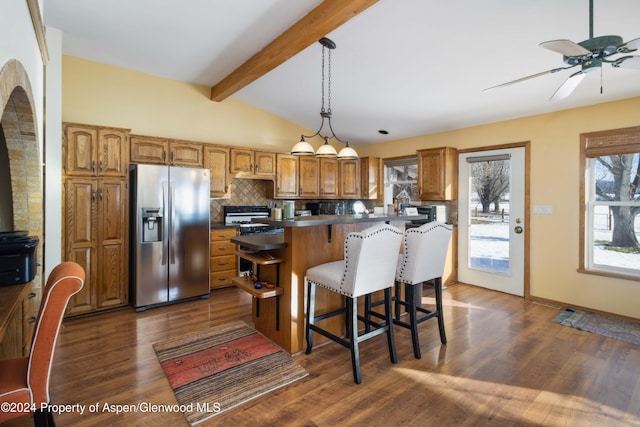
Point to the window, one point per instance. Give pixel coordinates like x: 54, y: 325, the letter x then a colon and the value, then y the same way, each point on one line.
x: 610, y: 203
x: 401, y: 180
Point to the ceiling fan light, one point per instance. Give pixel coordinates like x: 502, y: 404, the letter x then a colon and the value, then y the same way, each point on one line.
x: 347, y: 153
x: 302, y: 148
x: 326, y: 150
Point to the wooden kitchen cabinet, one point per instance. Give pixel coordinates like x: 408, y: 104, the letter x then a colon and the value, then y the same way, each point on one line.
x: 252, y: 163
x: 437, y: 174
x: 309, y: 176
x: 18, y: 309
x: 349, y: 179
x: 223, y: 261
x: 370, y: 187
x: 185, y: 153
x: 329, y: 177
x: 149, y: 150
x: 95, y: 151
x: 162, y: 151
x: 286, y: 185
x: 216, y: 159
x: 95, y: 236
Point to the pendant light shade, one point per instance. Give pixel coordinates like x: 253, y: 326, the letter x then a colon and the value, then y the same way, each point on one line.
x: 303, y: 148
x: 347, y: 153
x: 326, y: 150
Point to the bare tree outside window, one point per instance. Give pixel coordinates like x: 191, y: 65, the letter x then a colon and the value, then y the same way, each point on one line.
x: 618, y: 180
x: 490, y: 182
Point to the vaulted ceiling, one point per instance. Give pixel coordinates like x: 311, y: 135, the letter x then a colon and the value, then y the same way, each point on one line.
x: 409, y: 67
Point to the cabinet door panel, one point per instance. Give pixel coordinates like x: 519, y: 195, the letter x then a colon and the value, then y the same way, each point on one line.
x: 111, y: 290
x: 149, y: 150
x: 241, y: 161
x: 328, y: 177
x: 286, y: 175
x: 309, y: 176
x: 81, y: 145
x: 112, y: 207
x: 185, y: 154
x: 217, y: 160
x: 112, y: 155
x: 349, y: 179
x: 112, y: 267
x: 80, y: 200
x: 83, y: 301
x: 264, y: 164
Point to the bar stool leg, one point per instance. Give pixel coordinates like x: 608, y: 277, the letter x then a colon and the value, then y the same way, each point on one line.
x: 311, y: 300
x: 397, y: 293
x: 413, y: 292
x: 352, y: 315
x: 437, y: 285
x: 387, y: 312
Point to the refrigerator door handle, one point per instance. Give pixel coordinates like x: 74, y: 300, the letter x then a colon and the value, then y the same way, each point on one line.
x: 165, y: 244
x: 172, y: 240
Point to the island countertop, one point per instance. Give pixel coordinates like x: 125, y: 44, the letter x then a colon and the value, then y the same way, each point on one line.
x: 313, y: 220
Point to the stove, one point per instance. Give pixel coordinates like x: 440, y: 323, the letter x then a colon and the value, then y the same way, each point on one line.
x: 243, y: 217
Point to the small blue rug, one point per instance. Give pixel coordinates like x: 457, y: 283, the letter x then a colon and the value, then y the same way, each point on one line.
x: 620, y: 329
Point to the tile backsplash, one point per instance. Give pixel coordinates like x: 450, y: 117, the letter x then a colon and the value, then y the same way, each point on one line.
x: 243, y: 192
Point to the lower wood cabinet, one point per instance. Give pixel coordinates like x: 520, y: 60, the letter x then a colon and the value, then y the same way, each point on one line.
x: 96, y: 236
x: 223, y: 261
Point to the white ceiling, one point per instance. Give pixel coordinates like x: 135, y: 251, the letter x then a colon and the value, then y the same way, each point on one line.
x: 411, y: 67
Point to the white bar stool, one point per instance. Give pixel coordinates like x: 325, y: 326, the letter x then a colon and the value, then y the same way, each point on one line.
x: 369, y: 265
x: 423, y: 261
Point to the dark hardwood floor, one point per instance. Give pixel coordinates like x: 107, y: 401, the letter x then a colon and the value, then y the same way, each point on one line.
x: 506, y: 363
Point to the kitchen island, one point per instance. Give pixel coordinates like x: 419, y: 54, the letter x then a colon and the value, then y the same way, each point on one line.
x: 311, y: 240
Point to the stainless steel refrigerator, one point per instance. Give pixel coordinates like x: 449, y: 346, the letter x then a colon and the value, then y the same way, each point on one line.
x: 169, y: 234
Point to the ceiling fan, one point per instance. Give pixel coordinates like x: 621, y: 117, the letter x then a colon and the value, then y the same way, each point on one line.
x: 589, y: 54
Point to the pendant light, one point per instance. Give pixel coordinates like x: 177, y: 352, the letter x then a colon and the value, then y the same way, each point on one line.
x: 303, y: 148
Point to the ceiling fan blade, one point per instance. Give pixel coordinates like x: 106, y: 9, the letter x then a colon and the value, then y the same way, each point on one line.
x: 565, y: 47
x: 568, y: 86
x: 630, y: 62
x: 522, y: 79
x: 629, y: 46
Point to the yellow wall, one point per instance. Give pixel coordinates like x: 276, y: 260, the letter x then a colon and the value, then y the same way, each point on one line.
x: 95, y: 93
x: 105, y: 95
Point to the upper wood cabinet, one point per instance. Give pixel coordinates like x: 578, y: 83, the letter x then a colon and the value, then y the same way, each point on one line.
x: 185, y: 153
x: 95, y: 151
x: 149, y: 150
x: 286, y: 184
x: 329, y: 178
x: 309, y: 176
x: 216, y: 158
x: 349, y: 179
x: 252, y: 164
x: 437, y: 174
x: 370, y: 178
x: 161, y: 151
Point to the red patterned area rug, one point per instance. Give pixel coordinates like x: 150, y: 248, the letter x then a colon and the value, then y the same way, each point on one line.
x: 220, y: 368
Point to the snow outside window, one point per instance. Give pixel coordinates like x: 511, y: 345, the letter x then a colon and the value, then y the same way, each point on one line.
x: 612, y: 205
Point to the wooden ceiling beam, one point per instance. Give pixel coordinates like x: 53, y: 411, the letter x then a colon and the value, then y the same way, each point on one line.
x: 326, y: 17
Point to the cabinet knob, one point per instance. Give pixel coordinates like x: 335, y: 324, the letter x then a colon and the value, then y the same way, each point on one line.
x: 93, y: 166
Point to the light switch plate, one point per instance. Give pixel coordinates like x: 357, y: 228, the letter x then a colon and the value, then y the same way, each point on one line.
x: 543, y: 209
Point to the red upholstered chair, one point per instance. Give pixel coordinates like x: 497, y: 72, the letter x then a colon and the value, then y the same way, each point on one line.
x: 24, y: 382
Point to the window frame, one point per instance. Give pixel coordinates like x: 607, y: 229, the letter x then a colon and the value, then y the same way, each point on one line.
x: 593, y: 145
x: 397, y: 161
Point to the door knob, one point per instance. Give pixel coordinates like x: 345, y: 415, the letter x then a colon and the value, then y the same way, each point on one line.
x: 518, y: 229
